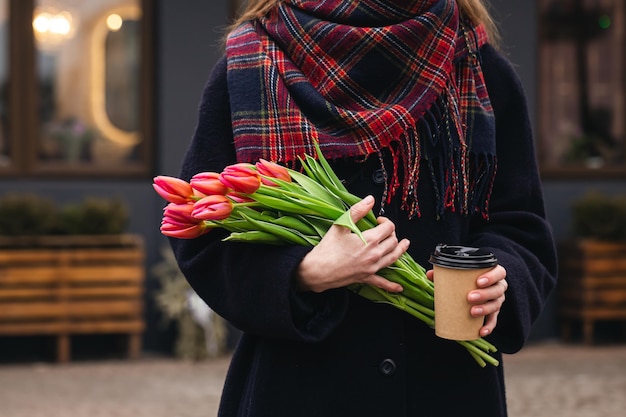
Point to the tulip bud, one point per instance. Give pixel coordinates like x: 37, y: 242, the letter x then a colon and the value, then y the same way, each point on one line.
x: 178, y: 222
x: 242, y: 178
x: 208, y: 183
x: 173, y: 190
x: 190, y: 232
x: 271, y: 169
x: 212, y: 207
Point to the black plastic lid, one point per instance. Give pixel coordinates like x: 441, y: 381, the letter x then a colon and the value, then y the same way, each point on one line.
x: 462, y: 257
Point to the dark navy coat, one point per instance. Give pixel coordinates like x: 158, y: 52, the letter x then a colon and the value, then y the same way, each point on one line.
x: 338, y: 355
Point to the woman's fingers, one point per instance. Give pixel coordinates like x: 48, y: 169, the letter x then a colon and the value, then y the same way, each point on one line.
x: 360, y: 209
x: 491, y: 286
x: 341, y: 258
x: 487, y: 300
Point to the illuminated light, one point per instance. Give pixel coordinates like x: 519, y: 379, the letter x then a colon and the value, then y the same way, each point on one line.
x: 41, y: 23
x: 52, y: 27
x: 114, y: 22
x: 604, y: 21
x: 61, y: 24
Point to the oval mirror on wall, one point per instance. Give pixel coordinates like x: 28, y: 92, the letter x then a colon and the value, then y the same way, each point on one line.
x: 115, y: 75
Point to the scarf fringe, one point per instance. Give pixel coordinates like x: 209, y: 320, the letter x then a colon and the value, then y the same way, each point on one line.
x: 462, y: 180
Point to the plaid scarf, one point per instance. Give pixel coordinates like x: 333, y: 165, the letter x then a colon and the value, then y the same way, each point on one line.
x: 365, y: 76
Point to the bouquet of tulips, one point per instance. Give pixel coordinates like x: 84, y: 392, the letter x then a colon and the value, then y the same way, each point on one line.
x: 271, y: 204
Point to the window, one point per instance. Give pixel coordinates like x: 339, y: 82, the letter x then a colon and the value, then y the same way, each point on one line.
x: 582, y: 105
x: 79, y: 91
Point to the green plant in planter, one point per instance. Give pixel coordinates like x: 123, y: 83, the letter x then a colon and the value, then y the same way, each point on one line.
x: 27, y: 215
x: 32, y: 215
x: 94, y: 216
x: 599, y: 216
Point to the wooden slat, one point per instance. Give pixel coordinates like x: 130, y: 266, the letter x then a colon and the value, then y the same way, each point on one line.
x: 109, y: 273
x: 52, y: 309
x: 120, y: 291
x: 20, y: 293
x: 65, y: 289
x: 106, y: 308
x: 28, y: 275
x: 55, y: 256
x: 48, y: 275
x: 30, y: 311
x: 104, y: 326
x: 131, y: 291
x: 81, y: 241
x: 129, y: 326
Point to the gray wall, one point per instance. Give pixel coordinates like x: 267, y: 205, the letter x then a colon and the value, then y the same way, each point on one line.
x: 189, y: 39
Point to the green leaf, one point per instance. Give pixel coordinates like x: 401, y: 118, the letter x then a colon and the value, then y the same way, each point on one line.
x: 320, y: 224
x: 288, y: 201
x: 318, y: 191
x: 345, y: 220
x: 288, y: 235
x: 295, y: 223
x: 255, y: 236
x: 283, y: 205
x: 327, y: 169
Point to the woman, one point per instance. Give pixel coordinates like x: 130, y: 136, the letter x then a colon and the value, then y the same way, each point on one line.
x: 415, y: 109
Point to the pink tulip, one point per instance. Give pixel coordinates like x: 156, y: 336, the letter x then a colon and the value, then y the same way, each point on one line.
x: 191, y: 232
x: 271, y: 169
x: 172, y: 189
x: 212, y: 207
x: 208, y: 183
x: 180, y: 213
x: 178, y: 222
x: 242, y: 178
x: 239, y: 198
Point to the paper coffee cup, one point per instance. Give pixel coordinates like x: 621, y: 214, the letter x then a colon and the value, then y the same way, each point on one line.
x: 456, y: 269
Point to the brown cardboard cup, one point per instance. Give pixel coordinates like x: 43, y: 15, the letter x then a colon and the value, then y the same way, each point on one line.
x: 456, y: 269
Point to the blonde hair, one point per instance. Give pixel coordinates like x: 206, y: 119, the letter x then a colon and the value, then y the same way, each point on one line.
x: 474, y: 10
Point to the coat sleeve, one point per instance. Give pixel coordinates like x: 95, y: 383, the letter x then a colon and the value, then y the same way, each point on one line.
x: 517, y: 231
x: 250, y: 285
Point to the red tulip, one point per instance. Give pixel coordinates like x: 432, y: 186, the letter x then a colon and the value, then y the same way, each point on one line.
x: 239, y: 198
x: 212, y: 207
x: 173, y: 189
x: 180, y: 213
x: 178, y: 222
x: 191, y: 232
x: 208, y: 183
x: 271, y: 169
x: 242, y: 178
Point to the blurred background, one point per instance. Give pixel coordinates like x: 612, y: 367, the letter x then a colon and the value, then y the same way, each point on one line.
x: 99, y: 96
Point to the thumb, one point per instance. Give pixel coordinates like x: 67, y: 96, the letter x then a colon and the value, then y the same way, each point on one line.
x: 360, y: 209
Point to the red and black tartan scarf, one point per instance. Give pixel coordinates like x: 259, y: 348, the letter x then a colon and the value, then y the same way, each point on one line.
x: 363, y: 76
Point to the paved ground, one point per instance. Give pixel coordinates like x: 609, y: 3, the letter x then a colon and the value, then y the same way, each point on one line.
x: 547, y: 380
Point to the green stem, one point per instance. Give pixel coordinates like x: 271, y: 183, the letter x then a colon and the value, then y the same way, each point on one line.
x: 472, y: 347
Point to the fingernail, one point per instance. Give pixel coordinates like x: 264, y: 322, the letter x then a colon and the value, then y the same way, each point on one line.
x: 482, y: 281
x: 485, y: 332
x: 474, y: 296
x: 368, y: 199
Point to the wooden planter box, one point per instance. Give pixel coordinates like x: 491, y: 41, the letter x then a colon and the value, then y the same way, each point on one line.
x: 65, y: 285
x: 592, y: 284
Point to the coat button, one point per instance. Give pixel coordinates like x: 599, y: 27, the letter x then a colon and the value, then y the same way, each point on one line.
x: 387, y: 367
x: 378, y: 176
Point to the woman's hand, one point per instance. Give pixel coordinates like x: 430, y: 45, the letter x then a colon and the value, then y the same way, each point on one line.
x: 341, y: 258
x: 487, y: 300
